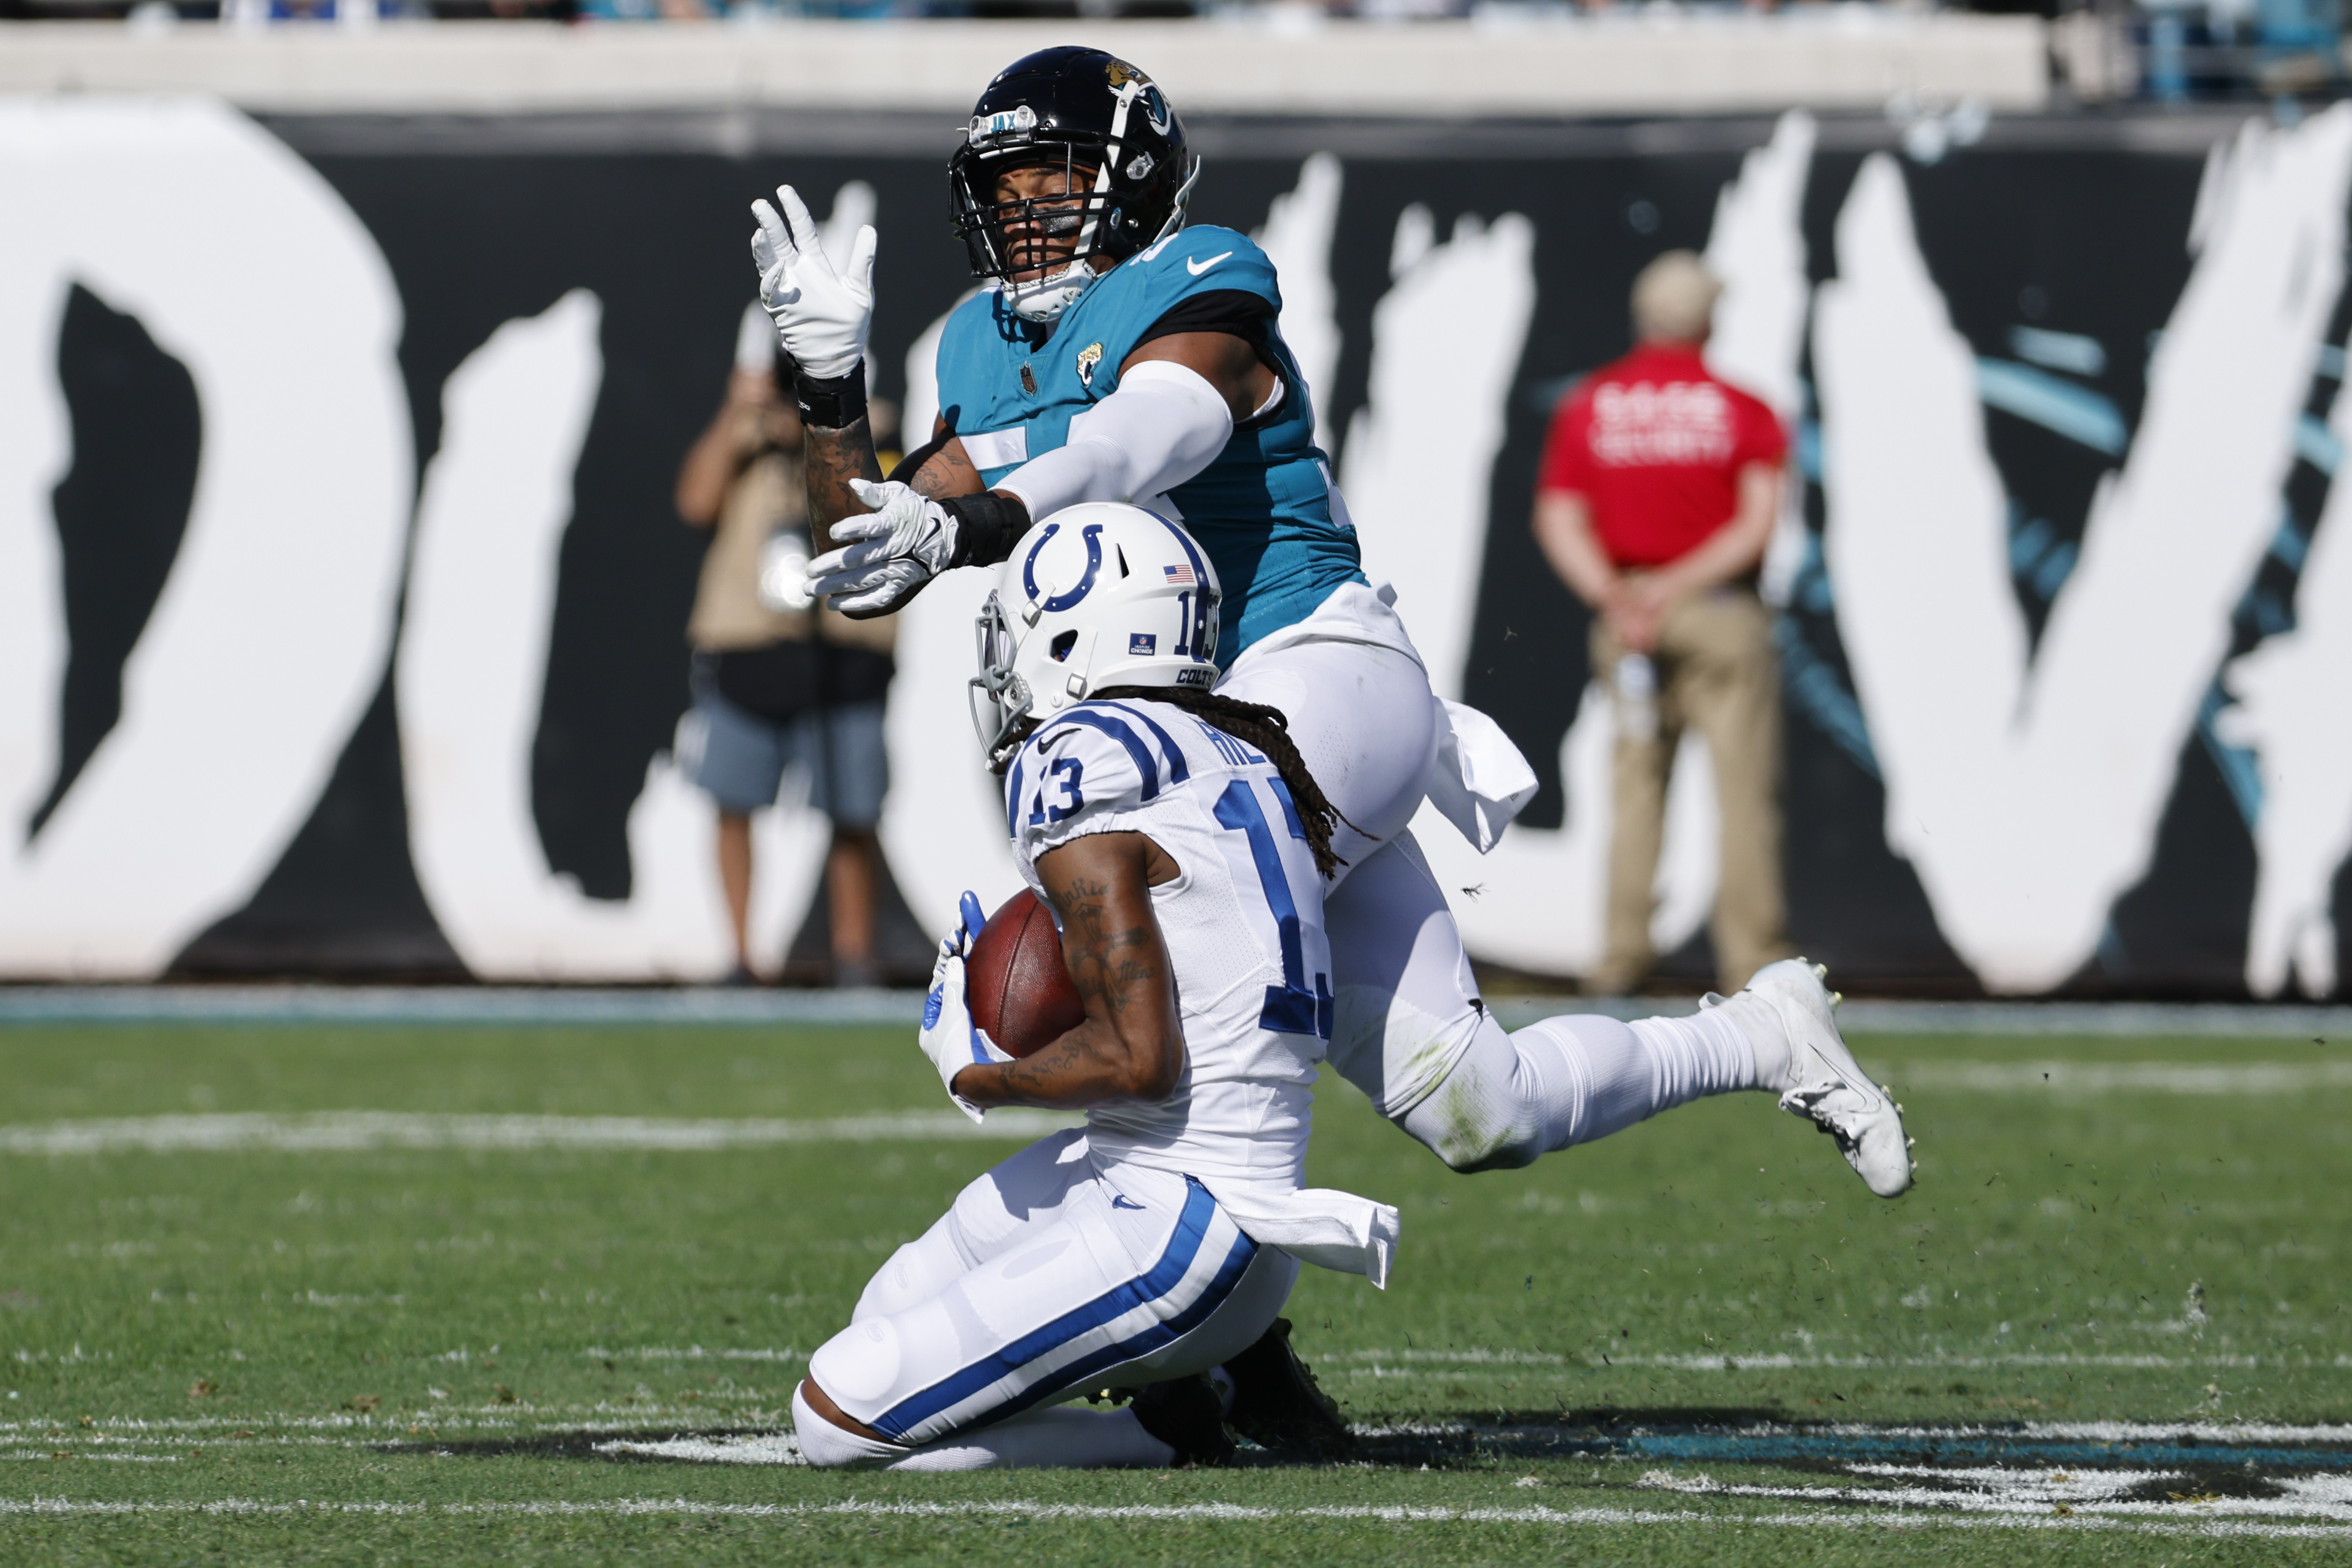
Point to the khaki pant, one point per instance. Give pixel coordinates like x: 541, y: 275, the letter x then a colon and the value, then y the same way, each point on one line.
x: 1717, y: 673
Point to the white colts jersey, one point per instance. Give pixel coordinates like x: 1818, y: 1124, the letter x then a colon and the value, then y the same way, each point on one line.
x: 1243, y: 921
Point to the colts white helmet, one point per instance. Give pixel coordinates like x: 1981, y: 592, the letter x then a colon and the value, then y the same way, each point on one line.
x: 1095, y: 595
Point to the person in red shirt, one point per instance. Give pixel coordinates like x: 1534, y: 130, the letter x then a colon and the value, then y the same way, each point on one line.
x: 1657, y: 495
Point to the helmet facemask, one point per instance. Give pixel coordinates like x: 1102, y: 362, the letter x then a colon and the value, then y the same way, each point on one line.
x: 1001, y: 704
x: 1124, y: 186
x: 1042, y: 246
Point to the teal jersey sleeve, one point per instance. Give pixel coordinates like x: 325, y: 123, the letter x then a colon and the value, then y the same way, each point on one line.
x: 1264, y: 510
x: 1188, y: 263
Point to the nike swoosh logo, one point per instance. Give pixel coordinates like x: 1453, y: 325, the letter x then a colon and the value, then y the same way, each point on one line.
x: 1198, y: 267
x: 1117, y: 1201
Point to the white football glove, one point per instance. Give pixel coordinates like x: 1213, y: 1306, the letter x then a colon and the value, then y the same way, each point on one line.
x: 822, y: 313
x: 901, y: 544
x: 949, y: 1037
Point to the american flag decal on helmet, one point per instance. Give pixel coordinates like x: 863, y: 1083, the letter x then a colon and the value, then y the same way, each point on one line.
x: 1181, y: 575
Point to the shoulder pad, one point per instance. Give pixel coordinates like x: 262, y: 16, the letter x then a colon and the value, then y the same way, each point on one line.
x: 1145, y: 748
x: 1208, y: 256
x: 1089, y: 763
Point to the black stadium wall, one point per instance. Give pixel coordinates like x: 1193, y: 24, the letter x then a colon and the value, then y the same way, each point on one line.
x: 2070, y: 258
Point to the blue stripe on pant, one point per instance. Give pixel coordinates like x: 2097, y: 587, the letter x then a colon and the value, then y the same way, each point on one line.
x: 1175, y: 1262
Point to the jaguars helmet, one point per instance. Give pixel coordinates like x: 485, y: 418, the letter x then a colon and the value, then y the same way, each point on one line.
x: 1117, y: 137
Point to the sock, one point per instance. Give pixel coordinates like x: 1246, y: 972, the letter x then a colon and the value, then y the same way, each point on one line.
x: 1706, y: 1053
x: 1592, y: 1076
x: 1766, y: 1034
x: 1060, y: 1437
x: 828, y: 1447
x: 1570, y: 1080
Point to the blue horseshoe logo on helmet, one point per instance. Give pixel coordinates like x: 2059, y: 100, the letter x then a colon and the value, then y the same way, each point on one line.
x: 1092, y: 533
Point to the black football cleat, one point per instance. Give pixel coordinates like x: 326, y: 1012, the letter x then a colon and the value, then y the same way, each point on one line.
x: 1277, y: 1404
x: 1186, y: 1413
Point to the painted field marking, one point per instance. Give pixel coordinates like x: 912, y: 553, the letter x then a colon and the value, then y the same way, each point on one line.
x: 1412, y: 1364
x: 328, y: 1132
x: 689, y: 1006
x: 361, y: 1429
x: 2198, y: 1078
x: 1999, y: 1488
x: 1848, y: 1518
x: 760, y: 1448
x: 2230, y: 1439
x: 693, y: 1353
x: 2286, y: 1480
x: 335, y: 1131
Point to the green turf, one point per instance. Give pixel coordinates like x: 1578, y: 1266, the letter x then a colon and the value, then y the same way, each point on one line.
x: 278, y: 1319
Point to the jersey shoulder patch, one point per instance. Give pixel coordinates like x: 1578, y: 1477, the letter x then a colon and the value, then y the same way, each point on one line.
x: 1088, y: 766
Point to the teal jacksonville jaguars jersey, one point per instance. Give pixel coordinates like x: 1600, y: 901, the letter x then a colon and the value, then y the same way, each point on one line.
x: 1266, y: 509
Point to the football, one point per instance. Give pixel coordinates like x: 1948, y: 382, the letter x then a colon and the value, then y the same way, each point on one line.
x: 1015, y: 982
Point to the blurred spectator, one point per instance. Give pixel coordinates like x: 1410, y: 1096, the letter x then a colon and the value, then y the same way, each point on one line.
x: 1657, y: 495
x: 776, y: 682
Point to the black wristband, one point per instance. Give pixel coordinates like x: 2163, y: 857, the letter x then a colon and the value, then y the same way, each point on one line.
x: 988, y: 526
x: 834, y: 403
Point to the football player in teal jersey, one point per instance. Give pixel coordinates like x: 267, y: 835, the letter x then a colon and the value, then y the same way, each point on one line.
x: 1119, y: 355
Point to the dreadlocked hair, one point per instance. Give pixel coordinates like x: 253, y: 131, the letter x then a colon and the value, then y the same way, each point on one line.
x: 1254, y: 724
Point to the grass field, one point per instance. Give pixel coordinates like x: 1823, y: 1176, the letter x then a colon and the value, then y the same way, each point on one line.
x: 550, y: 1295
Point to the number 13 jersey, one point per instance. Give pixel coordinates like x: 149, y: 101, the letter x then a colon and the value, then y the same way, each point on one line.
x: 1243, y: 921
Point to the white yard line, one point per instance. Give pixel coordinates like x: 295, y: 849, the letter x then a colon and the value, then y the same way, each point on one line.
x: 1410, y: 1364
x: 329, y: 1132
x: 1844, y: 1519
x: 694, y: 1352
x: 2123, y: 1077
x: 516, y: 1417
x: 350, y: 1131
x: 524, y: 1419
x: 700, y: 1005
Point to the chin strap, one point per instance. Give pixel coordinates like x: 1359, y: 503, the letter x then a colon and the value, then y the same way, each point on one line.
x: 987, y: 528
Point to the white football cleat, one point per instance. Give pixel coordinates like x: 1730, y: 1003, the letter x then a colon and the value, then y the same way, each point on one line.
x: 1825, y: 1083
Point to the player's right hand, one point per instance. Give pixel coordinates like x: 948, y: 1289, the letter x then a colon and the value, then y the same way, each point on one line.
x: 822, y: 313
x: 905, y: 541
x: 949, y: 1037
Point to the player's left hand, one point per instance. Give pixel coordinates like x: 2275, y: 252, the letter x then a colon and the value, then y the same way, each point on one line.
x: 905, y: 541
x: 949, y: 1037
x: 823, y: 313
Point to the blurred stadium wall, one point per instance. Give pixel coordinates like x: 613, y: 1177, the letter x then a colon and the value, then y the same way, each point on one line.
x: 345, y: 375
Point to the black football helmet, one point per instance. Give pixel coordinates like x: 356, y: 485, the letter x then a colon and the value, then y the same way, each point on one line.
x: 1111, y: 129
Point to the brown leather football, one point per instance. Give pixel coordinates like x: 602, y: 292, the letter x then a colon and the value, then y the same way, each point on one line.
x: 1015, y: 982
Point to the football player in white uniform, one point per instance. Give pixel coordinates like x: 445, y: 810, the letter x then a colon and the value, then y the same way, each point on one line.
x: 1121, y: 356
x: 1183, y: 848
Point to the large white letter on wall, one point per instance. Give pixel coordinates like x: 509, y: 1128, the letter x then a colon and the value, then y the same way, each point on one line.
x: 270, y: 635
x: 2026, y: 795
x: 473, y: 662
x: 2292, y: 694
x: 1536, y: 902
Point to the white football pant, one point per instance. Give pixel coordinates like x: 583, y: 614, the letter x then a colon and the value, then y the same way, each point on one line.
x: 1047, y: 1278
x: 1409, y: 1028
